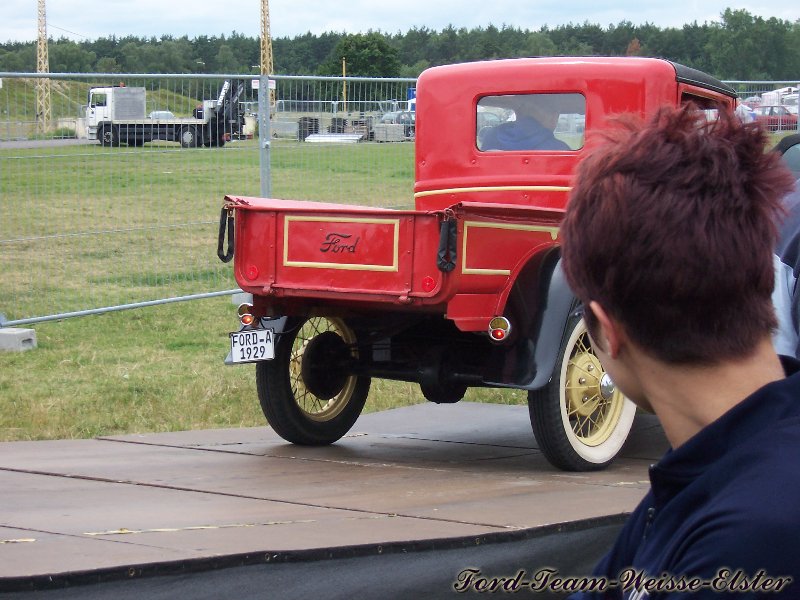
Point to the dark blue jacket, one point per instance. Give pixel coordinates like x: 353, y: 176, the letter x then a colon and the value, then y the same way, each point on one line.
x: 726, y: 500
x: 526, y: 133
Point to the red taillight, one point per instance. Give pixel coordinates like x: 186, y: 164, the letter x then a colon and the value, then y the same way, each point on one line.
x: 245, y: 312
x: 499, y: 328
x: 428, y: 284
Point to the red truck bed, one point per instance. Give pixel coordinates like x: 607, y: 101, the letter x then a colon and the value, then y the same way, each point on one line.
x: 377, y: 256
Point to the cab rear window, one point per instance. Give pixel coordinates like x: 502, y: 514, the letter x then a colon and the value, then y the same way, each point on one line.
x: 546, y: 122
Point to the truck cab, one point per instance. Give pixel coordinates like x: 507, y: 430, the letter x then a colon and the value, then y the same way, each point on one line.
x: 119, y: 103
x: 466, y: 289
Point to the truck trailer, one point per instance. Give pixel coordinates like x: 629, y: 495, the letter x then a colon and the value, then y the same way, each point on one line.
x: 117, y: 115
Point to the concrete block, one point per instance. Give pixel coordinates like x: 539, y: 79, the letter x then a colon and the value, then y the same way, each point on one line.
x: 14, y: 339
x: 389, y: 132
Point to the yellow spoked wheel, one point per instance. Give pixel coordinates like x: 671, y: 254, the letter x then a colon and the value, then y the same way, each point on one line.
x: 592, y: 402
x: 320, y: 391
x: 309, y: 393
x: 580, y: 419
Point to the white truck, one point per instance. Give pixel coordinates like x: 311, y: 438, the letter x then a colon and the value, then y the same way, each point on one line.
x: 117, y: 115
x: 776, y: 97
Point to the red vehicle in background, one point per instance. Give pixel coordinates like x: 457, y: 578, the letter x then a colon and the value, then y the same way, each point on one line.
x: 776, y: 118
x: 464, y: 290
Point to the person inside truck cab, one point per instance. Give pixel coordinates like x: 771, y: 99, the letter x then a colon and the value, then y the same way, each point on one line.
x: 533, y: 119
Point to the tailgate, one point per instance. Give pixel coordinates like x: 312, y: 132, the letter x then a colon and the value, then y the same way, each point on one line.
x: 311, y: 249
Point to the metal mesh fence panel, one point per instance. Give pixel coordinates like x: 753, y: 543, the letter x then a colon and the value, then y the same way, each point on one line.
x: 772, y: 101
x: 85, y: 225
x: 339, y: 140
x: 88, y: 225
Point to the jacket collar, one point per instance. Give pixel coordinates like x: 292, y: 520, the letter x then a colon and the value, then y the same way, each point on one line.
x: 753, y: 415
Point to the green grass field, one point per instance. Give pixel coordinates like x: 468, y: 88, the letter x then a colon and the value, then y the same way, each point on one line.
x: 150, y: 369
x: 85, y: 226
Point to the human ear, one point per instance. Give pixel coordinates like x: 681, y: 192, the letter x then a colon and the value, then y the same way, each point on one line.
x: 608, y: 330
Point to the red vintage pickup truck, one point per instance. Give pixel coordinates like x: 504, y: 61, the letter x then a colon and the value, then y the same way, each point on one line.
x: 466, y: 289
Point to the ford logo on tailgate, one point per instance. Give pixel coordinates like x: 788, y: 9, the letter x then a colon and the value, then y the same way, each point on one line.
x: 339, y: 242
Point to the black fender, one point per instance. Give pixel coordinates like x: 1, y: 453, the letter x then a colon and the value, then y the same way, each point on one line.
x: 559, y: 307
x: 541, y: 303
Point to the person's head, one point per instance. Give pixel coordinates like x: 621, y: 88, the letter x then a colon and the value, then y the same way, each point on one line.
x: 544, y: 108
x: 670, y: 227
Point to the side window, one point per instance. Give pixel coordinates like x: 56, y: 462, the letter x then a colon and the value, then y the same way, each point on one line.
x: 98, y: 100
x: 710, y: 107
x: 530, y: 122
x: 701, y: 102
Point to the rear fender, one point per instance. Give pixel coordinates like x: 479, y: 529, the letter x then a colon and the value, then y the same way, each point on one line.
x: 539, y: 303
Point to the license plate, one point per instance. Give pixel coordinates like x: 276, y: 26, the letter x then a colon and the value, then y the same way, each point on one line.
x: 252, y: 345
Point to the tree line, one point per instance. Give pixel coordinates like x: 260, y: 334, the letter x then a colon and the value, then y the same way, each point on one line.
x: 738, y: 46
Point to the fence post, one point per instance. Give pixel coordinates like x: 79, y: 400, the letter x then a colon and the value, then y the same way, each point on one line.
x: 264, y: 135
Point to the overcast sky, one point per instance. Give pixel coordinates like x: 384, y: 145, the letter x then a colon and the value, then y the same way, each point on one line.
x: 91, y: 19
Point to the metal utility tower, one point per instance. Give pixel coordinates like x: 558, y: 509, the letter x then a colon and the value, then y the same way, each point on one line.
x: 266, y: 46
x: 42, y: 66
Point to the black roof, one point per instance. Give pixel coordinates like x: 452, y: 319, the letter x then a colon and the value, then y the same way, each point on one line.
x: 688, y: 75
